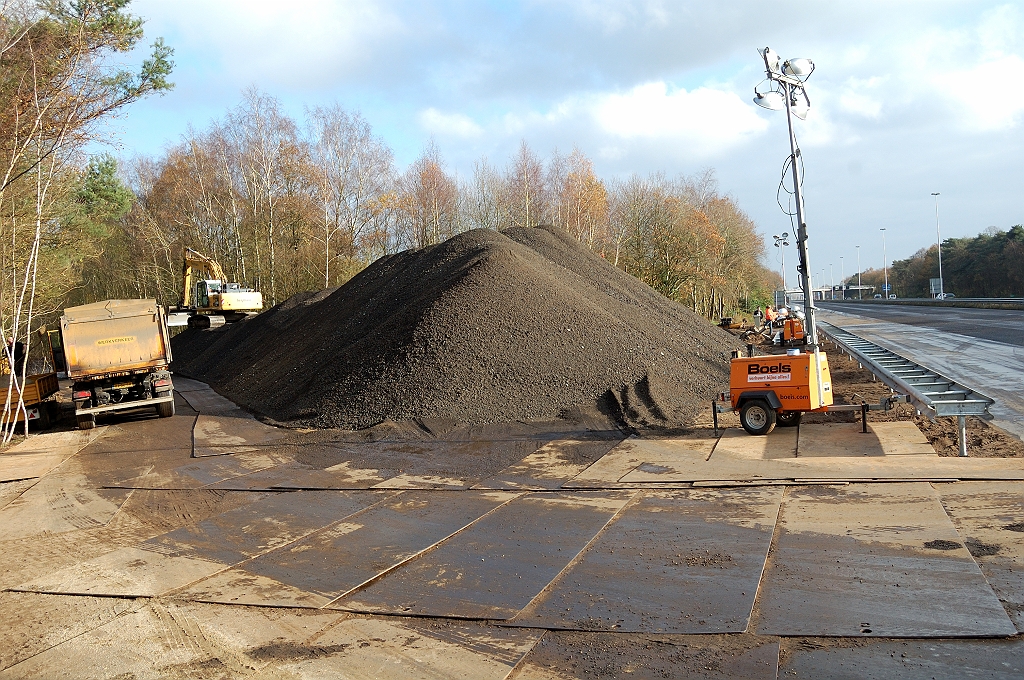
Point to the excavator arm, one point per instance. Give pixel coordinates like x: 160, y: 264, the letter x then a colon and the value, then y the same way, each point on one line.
x: 197, y: 265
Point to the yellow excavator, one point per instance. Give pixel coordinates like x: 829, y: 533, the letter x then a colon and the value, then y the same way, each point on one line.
x: 209, y: 301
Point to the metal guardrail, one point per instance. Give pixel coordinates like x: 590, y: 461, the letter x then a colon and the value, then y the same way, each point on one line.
x: 932, y: 393
x: 982, y: 303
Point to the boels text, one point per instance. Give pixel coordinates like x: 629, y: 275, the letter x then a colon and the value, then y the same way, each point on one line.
x: 769, y: 372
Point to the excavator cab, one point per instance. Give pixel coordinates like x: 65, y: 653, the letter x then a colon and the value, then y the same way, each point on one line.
x: 208, y: 294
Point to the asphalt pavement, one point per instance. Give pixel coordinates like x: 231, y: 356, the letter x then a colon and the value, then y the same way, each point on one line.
x: 998, y: 325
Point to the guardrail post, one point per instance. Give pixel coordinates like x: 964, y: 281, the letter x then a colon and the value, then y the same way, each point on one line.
x: 961, y: 427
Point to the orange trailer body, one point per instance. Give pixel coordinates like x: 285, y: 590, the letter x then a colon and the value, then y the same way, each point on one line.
x: 793, y: 332
x: 791, y: 378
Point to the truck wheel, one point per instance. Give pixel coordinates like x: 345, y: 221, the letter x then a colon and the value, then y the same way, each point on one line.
x: 757, y: 417
x: 87, y: 421
x: 165, y: 409
x: 788, y: 418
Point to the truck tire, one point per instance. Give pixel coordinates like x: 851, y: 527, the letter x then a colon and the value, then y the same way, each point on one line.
x: 165, y: 409
x: 86, y: 421
x: 788, y: 418
x: 757, y: 417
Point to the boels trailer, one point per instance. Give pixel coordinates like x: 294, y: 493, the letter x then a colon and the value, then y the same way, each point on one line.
x: 118, y: 353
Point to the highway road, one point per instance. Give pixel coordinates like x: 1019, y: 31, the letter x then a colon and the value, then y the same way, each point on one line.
x: 980, y: 348
x: 998, y: 325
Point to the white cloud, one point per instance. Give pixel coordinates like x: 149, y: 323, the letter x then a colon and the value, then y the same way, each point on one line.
x: 710, y: 120
x: 860, y: 96
x: 449, y: 124
x: 990, y: 96
x: 293, y: 43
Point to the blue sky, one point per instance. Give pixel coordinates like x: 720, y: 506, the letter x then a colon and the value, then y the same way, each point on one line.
x: 909, y: 96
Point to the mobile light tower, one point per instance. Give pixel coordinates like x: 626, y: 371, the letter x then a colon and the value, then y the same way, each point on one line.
x: 786, y: 91
x: 885, y: 265
x: 938, y: 242
x: 755, y: 387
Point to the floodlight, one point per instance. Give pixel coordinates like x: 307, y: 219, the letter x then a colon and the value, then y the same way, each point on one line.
x: 785, y: 234
x: 800, y: 68
x: 773, y: 100
x: 771, y: 60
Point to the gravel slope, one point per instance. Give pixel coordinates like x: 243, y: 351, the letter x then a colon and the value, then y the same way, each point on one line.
x: 487, y: 327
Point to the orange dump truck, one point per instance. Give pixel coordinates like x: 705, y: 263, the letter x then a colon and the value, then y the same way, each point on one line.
x: 118, y: 353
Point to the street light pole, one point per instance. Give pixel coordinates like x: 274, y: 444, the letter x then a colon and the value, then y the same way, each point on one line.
x: 860, y: 291
x: 938, y: 242
x: 885, y: 265
x: 832, y: 278
x: 842, y: 275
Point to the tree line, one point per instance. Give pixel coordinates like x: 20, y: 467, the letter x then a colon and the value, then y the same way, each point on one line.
x: 288, y: 206
x: 990, y: 264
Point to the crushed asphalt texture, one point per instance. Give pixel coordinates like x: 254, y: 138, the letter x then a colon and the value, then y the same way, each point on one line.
x: 525, y: 324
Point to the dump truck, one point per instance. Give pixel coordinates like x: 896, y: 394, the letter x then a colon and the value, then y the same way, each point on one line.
x: 118, y: 353
x: 35, y: 392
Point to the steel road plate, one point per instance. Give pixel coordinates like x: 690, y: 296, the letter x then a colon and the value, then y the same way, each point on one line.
x: 874, y: 560
x: 260, y: 526
x: 495, y: 567
x: 549, y: 466
x: 673, y: 562
x: 349, y: 553
x: 565, y: 654
x: 221, y: 435
x: 903, y: 659
x: 990, y: 515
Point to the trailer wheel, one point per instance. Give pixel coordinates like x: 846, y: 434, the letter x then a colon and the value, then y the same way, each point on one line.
x: 757, y: 417
x: 165, y: 409
x: 87, y: 421
x: 788, y: 418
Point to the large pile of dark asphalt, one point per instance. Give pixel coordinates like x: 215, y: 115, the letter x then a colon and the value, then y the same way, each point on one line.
x: 524, y: 324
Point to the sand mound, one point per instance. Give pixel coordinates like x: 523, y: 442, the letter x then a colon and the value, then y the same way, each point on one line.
x: 487, y: 327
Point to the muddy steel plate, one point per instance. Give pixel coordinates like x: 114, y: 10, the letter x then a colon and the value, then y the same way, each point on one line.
x: 345, y: 555
x: 495, y: 567
x: 262, y: 525
x: 549, y: 466
x: 990, y: 517
x: 200, y: 472
x: 904, y: 659
x: 672, y: 562
x: 874, y: 560
x: 564, y: 654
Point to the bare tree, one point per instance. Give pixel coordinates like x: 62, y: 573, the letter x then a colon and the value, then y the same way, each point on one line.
x: 58, y: 83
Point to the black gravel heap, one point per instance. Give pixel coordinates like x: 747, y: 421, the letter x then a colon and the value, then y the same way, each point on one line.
x: 525, y: 324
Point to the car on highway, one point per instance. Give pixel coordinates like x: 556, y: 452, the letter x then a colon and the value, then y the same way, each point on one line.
x: 892, y: 296
x: 878, y: 296
x: 945, y: 296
